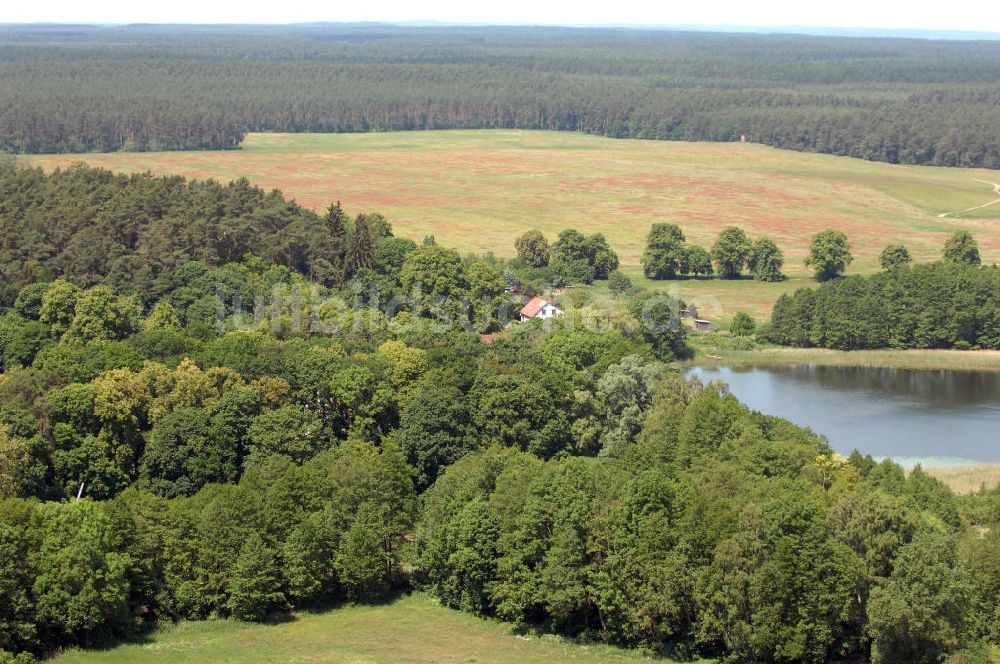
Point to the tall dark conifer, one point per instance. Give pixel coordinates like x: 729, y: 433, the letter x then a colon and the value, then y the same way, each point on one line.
x: 335, y: 248
x: 360, y: 247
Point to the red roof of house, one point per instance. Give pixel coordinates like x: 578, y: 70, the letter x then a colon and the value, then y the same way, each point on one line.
x: 531, y: 309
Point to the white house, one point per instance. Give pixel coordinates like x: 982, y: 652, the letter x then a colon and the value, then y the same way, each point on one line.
x: 539, y: 307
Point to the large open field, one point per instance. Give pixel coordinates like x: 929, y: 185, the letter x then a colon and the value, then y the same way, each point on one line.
x: 411, y: 629
x: 476, y: 190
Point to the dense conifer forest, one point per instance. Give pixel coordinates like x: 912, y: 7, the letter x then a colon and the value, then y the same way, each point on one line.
x: 952, y: 303
x: 936, y: 305
x: 166, y: 453
x: 78, y: 89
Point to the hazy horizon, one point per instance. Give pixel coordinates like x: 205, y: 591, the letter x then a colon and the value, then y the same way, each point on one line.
x: 969, y: 16
x: 810, y: 30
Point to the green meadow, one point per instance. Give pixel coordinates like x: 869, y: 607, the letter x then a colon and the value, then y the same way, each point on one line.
x: 411, y: 629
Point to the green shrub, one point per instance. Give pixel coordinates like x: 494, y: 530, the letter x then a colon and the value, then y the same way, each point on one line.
x: 742, y: 325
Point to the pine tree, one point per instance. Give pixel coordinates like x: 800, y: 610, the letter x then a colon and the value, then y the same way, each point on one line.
x: 360, y: 248
x: 327, y: 262
x: 255, y: 584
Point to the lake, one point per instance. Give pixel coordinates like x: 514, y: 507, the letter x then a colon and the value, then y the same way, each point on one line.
x: 932, y: 417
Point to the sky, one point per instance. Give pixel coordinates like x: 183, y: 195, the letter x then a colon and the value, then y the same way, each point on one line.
x: 978, y: 15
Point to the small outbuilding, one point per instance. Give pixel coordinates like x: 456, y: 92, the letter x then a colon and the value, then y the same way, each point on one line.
x: 702, y: 325
x: 539, y: 307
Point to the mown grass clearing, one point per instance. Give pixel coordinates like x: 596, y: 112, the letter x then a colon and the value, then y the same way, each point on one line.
x: 411, y: 629
x: 477, y: 190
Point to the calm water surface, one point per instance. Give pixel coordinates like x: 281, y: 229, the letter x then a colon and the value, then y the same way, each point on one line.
x: 910, y: 415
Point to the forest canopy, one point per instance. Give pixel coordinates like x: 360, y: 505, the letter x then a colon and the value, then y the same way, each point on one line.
x: 166, y: 455
x: 79, y: 89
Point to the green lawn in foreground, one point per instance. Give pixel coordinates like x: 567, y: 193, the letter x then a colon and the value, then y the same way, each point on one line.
x: 477, y: 190
x: 411, y: 629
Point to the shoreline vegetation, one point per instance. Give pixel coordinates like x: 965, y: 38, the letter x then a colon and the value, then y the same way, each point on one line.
x: 967, y: 478
x: 710, y: 355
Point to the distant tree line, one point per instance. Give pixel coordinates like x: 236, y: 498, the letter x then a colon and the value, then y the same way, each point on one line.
x: 135, y: 88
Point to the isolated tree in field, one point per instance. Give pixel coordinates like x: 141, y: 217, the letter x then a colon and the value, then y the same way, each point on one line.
x: 765, y: 260
x: 730, y: 252
x: 742, y: 325
x: 829, y: 254
x: 696, y: 260
x: 532, y: 248
x: 961, y: 247
x: 895, y: 256
x: 664, y: 252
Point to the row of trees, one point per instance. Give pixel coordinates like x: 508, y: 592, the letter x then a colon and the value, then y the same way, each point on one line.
x: 830, y: 253
x: 902, y: 101
x: 668, y: 255
x: 961, y: 248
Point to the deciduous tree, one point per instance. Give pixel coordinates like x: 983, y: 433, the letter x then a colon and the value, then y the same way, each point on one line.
x: 829, y: 254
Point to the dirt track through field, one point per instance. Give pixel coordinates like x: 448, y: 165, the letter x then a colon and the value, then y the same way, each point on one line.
x: 996, y: 190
